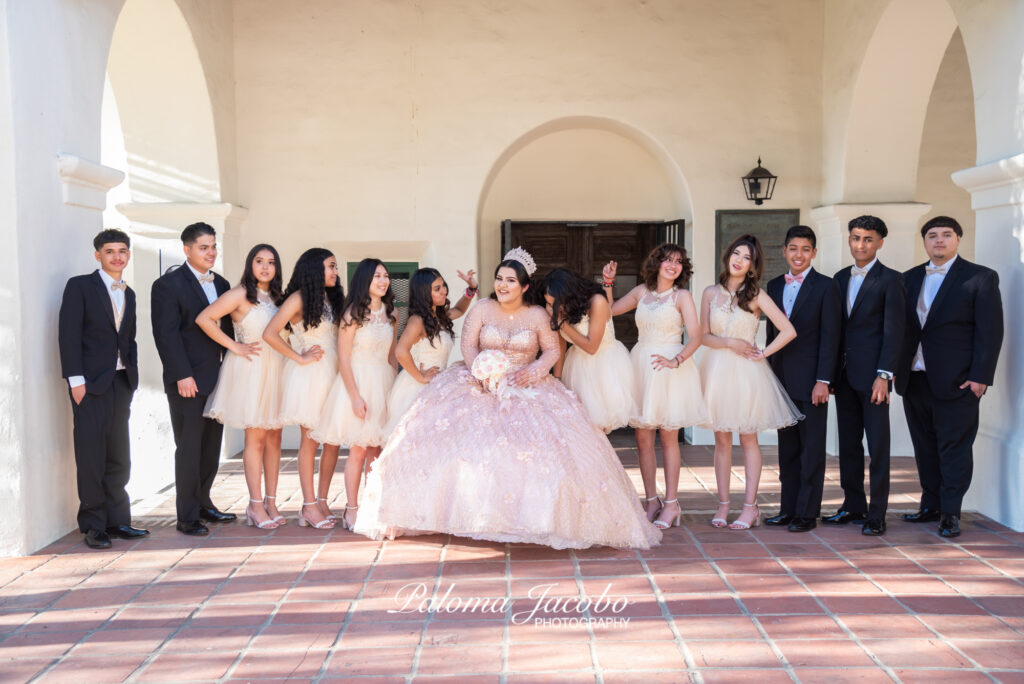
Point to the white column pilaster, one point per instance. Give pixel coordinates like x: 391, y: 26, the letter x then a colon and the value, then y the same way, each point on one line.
x: 997, y: 197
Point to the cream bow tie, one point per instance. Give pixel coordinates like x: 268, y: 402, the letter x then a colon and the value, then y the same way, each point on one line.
x: 119, y: 285
x: 208, y: 278
x: 933, y: 270
x: 857, y: 271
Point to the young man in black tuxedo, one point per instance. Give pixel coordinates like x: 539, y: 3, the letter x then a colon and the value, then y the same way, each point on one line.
x: 954, y: 334
x: 98, y: 356
x: 874, y: 318
x: 191, y: 363
x: 805, y: 367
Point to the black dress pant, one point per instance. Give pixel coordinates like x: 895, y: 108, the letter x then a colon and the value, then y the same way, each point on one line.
x: 857, y: 416
x: 103, y: 456
x: 196, y: 453
x: 943, y: 432
x: 802, y: 461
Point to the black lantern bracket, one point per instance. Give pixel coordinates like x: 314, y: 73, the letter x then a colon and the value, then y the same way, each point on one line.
x: 759, y: 184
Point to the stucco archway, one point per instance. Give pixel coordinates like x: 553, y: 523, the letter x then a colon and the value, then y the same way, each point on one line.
x: 578, y: 167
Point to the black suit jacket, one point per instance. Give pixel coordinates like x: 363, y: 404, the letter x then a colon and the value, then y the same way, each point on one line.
x: 872, y: 332
x: 963, y: 333
x: 817, y: 317
x: 88, y: 337
x: 185, y: 350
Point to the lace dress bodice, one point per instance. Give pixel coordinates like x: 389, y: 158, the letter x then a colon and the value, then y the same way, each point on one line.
x: 427, y: 355
x: 372, y: 340
x: 730, y: 320
x: 583, y: 328
x: 250, y: 328
x: 325, y: 335
x: 657, y: 319
x: 520, y: 336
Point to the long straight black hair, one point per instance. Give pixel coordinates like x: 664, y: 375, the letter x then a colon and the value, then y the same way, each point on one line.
x: 421, y: 303
x: 249, y: 278
x: 357, y: 304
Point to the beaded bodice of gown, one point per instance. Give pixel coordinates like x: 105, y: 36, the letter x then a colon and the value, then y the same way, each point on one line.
x: 428, y: 355
x: 250, y: 328
x: 583, y: 328
x: 657, y: 319
x: 372, y: 340
x: 728, y: 319
x: 325, y: 335
x: 519, y: 335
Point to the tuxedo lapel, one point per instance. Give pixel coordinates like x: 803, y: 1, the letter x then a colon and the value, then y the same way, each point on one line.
x: 870, y: 282
x: 843, y: 278
x: 952, y: 279
x: 914, y: 282
x: 106, y: 303
x: 193, y: 284
x: 802, y: 294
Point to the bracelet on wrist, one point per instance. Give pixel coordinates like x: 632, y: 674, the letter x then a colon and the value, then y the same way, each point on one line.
x: 608, y: 284
x: 470, y: 292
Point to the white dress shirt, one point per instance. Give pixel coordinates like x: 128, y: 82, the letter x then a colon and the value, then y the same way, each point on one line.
x: 208, y: 288
x: 856, y: 280
x: 117, y: 303
x: 789, y: 293
x: 929, y: 288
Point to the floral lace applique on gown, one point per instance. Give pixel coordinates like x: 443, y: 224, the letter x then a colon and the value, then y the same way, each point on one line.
x: 603, y: 381
x: 670, y: 398
x: 529, y: 468
x: 248, y: 392
x: 742, y: 395
x: 304, y: 388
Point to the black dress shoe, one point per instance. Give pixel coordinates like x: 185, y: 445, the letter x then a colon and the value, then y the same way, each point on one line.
x: 874, y: 527
x: 843, y: 518
x: 949, y: 526
x: 127, y: 532
x: 97, y: 539
x: 211, y: 514
x: 192, y: 527
x: 780, y: 520
x: 923, y: 515
x: 802, y: 525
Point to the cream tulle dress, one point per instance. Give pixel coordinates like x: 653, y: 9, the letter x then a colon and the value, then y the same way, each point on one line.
x: 425, y: 354
x: 305, y: 388
x: 248, y: 393
x: 525, y: 468
x: 742, y: 395
x: 603, y: 381
x: 670, y: 398
x: 374, y: 377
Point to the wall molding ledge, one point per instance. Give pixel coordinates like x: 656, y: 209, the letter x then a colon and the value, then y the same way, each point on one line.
x: 84, y: 183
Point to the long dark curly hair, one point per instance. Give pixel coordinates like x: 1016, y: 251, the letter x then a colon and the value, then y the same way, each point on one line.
x: 751, y: 286
x: 252, y: 285
x: 308, y: 280
x: 357, y: 304
x: 421, y: 303
x: 649, y: 269
x: 572, y: 294
x: 531, y: 296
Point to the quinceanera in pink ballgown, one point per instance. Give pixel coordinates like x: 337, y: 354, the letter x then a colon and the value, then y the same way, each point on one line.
x: 529, y: 467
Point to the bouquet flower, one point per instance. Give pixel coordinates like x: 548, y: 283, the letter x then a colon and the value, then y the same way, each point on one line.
x: 490, y: 367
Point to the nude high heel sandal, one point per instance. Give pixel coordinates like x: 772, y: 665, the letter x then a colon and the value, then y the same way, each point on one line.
x: 345, y: 525
x: 304, y: 521
x: 720, y: 522
x: 329, y: 516
x: 279, y: 519
x: 660, y: 506
x: 740, y: 525
x: 662, y: 525
x: 250, y: 519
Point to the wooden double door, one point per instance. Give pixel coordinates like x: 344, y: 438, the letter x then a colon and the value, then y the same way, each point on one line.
x: 585, y: 247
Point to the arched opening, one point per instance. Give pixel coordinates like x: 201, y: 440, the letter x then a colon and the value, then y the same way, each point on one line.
x: 578, y: 169
x: 157, y: 126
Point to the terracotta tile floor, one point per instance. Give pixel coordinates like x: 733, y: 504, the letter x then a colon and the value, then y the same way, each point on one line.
x: 706, y: 606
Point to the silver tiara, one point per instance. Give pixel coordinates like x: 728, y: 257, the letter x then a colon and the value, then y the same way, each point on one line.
x: 522, y: 256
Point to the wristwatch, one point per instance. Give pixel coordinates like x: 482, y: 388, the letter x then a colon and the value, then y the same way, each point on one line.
x: 885, y: 375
